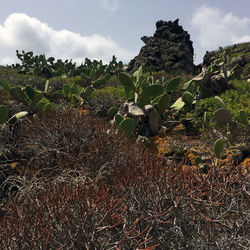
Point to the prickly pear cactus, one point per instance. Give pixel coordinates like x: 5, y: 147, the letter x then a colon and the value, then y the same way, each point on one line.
x: 153, y: 90
x: 127, y: 126
x: 163, y: 103
x: 112, y: 111
x: 218, y: 148
x: 178, y: 104
x: 31, y: 93
x: 222, y: 116
x: 17, y: 93
x: 3, y: 114
x: 187, y: 97
x: 173, y: 84
x: 118, y: 119
x: 220, y: 102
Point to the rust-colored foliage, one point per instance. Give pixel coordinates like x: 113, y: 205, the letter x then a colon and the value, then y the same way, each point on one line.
x: 108, y: 193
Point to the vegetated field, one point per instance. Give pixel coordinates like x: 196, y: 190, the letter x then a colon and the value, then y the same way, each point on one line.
x: 70, y: 180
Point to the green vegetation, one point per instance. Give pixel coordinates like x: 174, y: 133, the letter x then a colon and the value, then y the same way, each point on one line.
x: 41, y: 66
x: 110, y: 91
x: 99, y: 86
x: 234, y: 100
x: 218, y: 148
x: 90, y: 182
x: 3, y: 114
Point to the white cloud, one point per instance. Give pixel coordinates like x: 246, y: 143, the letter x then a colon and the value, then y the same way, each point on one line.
x: 215, y: 28
x: 110, y: 5
x: 22, y: 32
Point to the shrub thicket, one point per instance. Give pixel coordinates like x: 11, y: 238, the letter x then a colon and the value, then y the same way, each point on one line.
x: 88, y: 188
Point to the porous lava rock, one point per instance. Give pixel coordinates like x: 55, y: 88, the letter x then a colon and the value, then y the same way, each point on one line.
x: 169, y: 49
x: 238, y: 59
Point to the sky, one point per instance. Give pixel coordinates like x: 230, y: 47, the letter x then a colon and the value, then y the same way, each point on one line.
x: 99, y: 29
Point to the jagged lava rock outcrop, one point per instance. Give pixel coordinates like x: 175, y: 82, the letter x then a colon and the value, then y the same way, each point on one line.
x: 169, y: 49
x: 238, y: 57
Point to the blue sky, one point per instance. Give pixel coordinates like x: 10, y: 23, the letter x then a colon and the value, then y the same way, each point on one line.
x: 97, y: 29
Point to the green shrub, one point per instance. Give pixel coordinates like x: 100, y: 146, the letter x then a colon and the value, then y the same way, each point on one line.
x: 113, y: 81
x: 239, y: 99
x: 235, y: 100
x: 208, y: 105
x: 110, y: 91
x: 12, y: 76
x: 103, y: 99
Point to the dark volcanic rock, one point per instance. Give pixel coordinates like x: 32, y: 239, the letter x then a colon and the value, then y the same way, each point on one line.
x: 169, y: 49
x: 238, y: 59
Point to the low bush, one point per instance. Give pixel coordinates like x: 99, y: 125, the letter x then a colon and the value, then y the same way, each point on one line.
x: 12, y: 76
x: 103, y: 99
x: 239, y: 99
x: 235, y: 100
x: 69, y: 139
x: 93, y: 189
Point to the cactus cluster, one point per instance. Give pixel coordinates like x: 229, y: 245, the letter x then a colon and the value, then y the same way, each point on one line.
x: 125, y: 125
x: 50, y: 67
x: 147, y: 91
x: 143, y: 90
x: 29, y: 95
x: 78, y: 94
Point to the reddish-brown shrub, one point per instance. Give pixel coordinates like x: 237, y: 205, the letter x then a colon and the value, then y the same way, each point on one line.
x: 70, y: 140
x: 110, y: 194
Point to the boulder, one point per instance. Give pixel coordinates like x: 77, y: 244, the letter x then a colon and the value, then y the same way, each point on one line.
x: 169, y: 49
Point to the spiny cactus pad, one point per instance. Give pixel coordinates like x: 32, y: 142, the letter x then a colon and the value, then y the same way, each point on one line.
x: 153, y: 90
x: 118, y: 119
x: 187, y: 97
x: 222, y: 116
x: 112, y: 111
x: 164, y: 102
x: 3, y: 114
x: 173, y: 84
x: 218, y: 148
x: 127, y: 125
